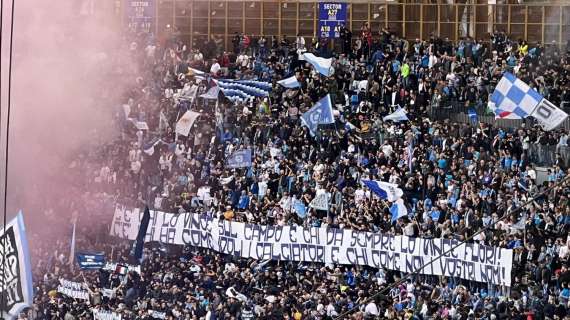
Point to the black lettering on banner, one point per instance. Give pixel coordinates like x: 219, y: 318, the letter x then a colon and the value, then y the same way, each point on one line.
x: 311, y: 235
x: 431, y: 247
x: 375, y: 259
x: 334, y: 254
x: 470, y: 253
x: 248, y: 231
x: 167, y: 235
x: 544, y: 111
x: 490, y: 255
x: 174, y: 220
x: 408, y: 245
x: 296, y: 251
x: 390, y: 260
x: 469, y: 270
x: 388, y: 243
x: 353, y: 238
x: 225, y: 229
x: 286, y: 251
x: 491, y: 274
x: 335, y: 237
x: 321, y: 254
x: 413, y: 263
x: 229, y: 245
x: 357, y: 256
x: 447, y: 245
x: 293, y: 234
x: 263, y: 251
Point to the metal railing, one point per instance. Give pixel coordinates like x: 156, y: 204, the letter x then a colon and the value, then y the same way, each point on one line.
x: 539, y: 154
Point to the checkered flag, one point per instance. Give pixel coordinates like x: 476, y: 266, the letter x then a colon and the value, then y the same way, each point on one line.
x: 514, y: 99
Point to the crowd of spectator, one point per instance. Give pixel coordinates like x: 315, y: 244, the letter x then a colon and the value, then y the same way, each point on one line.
x: 458, y: 178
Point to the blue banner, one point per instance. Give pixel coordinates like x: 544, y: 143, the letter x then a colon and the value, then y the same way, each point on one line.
x: 140, y: 15
x: 320, y: 113
x: 331, y: 17
x: 239, y: 159
x: 91, y: 260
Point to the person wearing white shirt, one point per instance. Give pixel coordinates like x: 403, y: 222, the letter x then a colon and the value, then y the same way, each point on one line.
x: 359, y: 196
x: 215, y: 68
x: 300, y: 42
x: 285, y: 202
x: 371, y: 309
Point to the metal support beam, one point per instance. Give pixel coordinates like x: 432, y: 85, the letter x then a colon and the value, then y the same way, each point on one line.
x: 404, y: 21
x: 543, y: 23
x: 421, y: 21
x: 526, y: 22
x: 226, y: 26
x: 209, y: 18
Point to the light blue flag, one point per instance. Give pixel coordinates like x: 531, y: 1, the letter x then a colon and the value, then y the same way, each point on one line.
x: 398, y: 115
x: 290, y: 82
x: 239, y: 159
x: 300, y: 208
x: 320, y: 113
x: 398, y: 210
x: 322, y: 65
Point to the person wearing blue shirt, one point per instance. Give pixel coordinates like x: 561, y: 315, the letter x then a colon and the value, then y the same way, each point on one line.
x: 396, y: 66
x: 378, y: 56
x: 442, y: 163
x: 243, y: 201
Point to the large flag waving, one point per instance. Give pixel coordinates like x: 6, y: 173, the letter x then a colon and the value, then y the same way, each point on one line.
x: 320, y: 113
x: 185, y: 122
x: 239, y: 159
x: 16, y: 283
x: 384, y: 190
x: 322, y: 65
x: 514, y: 99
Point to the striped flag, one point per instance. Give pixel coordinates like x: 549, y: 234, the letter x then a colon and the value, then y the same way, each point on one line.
x: 244, y: 90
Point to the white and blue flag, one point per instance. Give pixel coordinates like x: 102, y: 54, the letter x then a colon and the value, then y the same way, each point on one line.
x: 212, y: 93
x: 514, y: 99
x: 398, y: 210
x: 396, y: 116
x: 320, y: 113
x: 384, y: 190
x: 239, y: 159
x: 290, y: 82
x: 322, y: 65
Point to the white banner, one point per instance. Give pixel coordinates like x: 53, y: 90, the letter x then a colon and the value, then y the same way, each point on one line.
x: 16, y: 282
x: 105, y: 315
x: 321, y: 201
x: 112, y: 266
x: 72, y: 289
x: 549, y: 115
x: 323, y: 245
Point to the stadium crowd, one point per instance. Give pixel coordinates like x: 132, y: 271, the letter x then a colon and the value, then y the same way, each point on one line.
x: 458, y: 178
